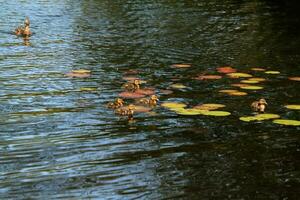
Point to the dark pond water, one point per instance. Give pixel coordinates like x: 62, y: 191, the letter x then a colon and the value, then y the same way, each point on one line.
x: 59, y: 141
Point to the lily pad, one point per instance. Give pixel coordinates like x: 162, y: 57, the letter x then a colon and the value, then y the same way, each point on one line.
x: 258, y: 69
x: 257, y: 79
x: 216, y: 113
x: 131, y: 95
x: 249, y: 81
x: 209, y: 106
x: 86, y: 89
x: 188, y: 112
x: 287, y: 122
x: 139, y: 109
x: 171, y: 105
x: 297, y: 78
x: 145, y: 91
x: 208, y: 77
x: 226, y: 70
x: 252, y: 87
x: 181, y: 65
x: 238, y: 93
x: 81, y: 71
x: 228, y: 91
x: 178, y: 86
x: 272, y: 72
x: 259, y: 117
x: 239, y: 75
x: 78, y: 75
x: 293, y: 107
x: 240, y: 85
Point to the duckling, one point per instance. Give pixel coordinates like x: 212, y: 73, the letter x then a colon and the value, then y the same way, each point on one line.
x: 259, y: 106
x: 152, y: 101
x: 24, y: 31
x: 132, y: 86
x: 126, y: 111
x: 116, y: 104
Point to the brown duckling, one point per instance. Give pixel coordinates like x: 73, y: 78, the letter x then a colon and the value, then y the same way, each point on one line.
x: 132, y: 86
x: 24, y: 31
x: 116, y: 104
x: 259, y: 106
x: 126, y: 111
x: 152, y: 101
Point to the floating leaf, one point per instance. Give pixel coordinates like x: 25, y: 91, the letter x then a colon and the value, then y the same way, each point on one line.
x: 293, y: 107
x: 240, y: 85
x: 215, y: 113
x: 171, y: 105
x: 226, y: 70
x: 131, y: 95
x: 257, y: 79
x: 178, y: 86
x: 253, y: 87
x: 239, y: 75
x: 259, y: 117
x: 188, y: 112
x: 208, y: 77
x: 249, y: 81
x: 238, y: 93
x: 78, y: 75
x: 181, y: 65
x: 145, y: 91
x: 258, y: 69
x: 272, y: 72
x: 209, y: 106
x: 228, y: 91
x: 287, y: 122
x: 87, y: 89
x: 81, y: 71
x: 297, y: 78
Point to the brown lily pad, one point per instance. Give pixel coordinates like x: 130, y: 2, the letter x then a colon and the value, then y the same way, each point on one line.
x: 139, y: 109
x: 145, y: 91
x: 181, y: 65
x: 296, y: 78
x: 131, y: 95
x: 258, y: 69
x: 226, y: 70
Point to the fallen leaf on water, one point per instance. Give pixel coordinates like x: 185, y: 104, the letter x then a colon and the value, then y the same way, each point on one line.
x: 272, y: 72
x: 171, y: 105
x: 252, y: 87
x: 178, y: 86
x: 296, y: 78
x: 238, y: 93
x: 249, y: 81
x: 216, y: 113
x: 208, y: 77
x: 239, y: 75
x: 257, y: 79
x: 188, y: 111
x: 293, y: 107
x: 260, y: 117
x: 258, y: 69
x: 209, y: 106
x: 287, y: 122
x: 226, y: 70
x: 131, y: 95
x: 181, y: 65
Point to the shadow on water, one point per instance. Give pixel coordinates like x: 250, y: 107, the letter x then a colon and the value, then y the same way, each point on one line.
x: 59, y: 140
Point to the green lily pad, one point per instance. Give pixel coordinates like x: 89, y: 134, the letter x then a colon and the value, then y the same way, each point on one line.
x: 252, y: 87
x: 287, y: 122
x: 215, y: 113
x: 188, y: 111
x: 272, y: 72
x: 172, y: 105
x: 293, y: 107
x: 257, y: 79
x: 259, y: 117
x: 239, y: 75
x: 178, y: 86
x: 209, y: 106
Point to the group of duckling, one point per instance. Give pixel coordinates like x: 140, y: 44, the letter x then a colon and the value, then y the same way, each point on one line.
x: 119, y: 105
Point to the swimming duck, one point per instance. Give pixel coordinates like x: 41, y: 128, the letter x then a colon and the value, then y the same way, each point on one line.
x: 24, y: 31
x: 126, y: 111
x: 152, y: 101
x: 132, y: 86
x: 116, y: 104
x: 259, y: 106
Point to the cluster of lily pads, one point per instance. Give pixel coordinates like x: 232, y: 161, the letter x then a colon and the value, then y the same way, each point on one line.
x: 247, y: 83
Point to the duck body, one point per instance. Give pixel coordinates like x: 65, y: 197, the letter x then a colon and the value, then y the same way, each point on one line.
x: 152, y: 101
x: 24, y: 31
x: 132, y: 86
x: 126, y: 111
x: 118, y: 103
x: 259, y: 106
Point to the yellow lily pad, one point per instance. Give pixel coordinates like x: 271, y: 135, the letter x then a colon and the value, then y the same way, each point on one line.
x: 272, y: 72
x: 215, y: 113
x: 287, y: 122
x: 239, y: 75
x: 188, y: 111
x: 178, y: 86
x: 238, y: 93
x: 86, y: 89
x: 257, y: 79
x: 209, y: 106
x: 175, y: 105
x: 228, y: 91
x: 293, y: 107
x: 252, y: 87
x: 258, y: 69
x: 259, y: 117
x: 249, y: 81
x: 81, y: 71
